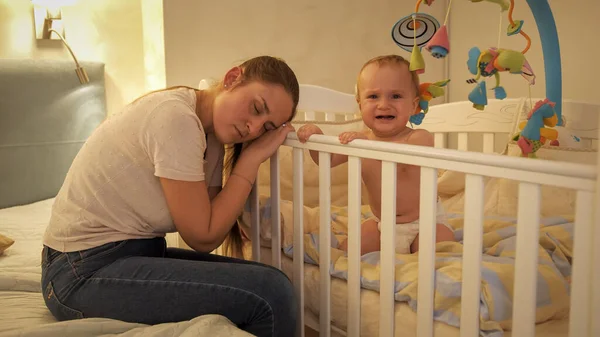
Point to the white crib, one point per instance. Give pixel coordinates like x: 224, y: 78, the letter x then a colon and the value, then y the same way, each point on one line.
x: 446, y: 121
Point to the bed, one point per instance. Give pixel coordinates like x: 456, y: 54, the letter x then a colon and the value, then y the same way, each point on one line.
x: 497, y: 202
x: 45, y: 117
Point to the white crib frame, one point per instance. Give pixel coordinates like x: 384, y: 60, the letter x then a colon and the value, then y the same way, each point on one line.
x: 464, y: 121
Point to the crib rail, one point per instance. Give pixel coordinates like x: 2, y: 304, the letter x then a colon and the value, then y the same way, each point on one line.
x: 560, y: 174
x: 531, y: 175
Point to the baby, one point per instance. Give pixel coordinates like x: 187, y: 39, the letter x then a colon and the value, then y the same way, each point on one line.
x: 387, y: 93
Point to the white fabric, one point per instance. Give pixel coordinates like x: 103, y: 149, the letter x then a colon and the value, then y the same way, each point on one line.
x: 207, y: 325
x: 22, y: 309
x: 407, y: 232
x: 112, y: 191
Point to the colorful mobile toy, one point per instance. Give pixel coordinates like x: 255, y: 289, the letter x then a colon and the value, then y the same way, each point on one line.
x: 421, y: 30
x: 427, y: 92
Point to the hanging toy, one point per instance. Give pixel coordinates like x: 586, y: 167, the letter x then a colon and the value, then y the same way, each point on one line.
x: 427, y: 92
x: 534, y: 133
x: 492, y: 61
x: 414, y: 30
x: 417, y: 63
x: 412, y: 33
x: 439, y: 45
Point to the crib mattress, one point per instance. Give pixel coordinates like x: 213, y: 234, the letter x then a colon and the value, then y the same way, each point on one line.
x: 405, y: 317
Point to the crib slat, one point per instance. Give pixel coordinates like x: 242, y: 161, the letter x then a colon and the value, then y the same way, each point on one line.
x: 354, y: 223
x: 325, y: 242
x: 348, y: 117
x: 595, y: 308
x: 488, y: 142
x: 388, y: 249
x: 255, y: 222
x: 310, y: 116
x: 439, y: 140
x: 472, y: 250
x: 427, y: 226
x: 581, y: 285
x: 275, y: 214
x: 330, y: 116
x: 526, y: 271
x: 298, y: 198
x: 463, y: 141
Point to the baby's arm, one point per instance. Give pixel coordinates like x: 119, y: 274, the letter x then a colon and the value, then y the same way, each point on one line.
x: 304, y: 134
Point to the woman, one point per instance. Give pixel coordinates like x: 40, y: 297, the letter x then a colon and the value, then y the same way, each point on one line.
x: 156, y: 168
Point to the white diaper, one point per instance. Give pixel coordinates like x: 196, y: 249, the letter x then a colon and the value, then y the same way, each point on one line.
x: 407, y: 232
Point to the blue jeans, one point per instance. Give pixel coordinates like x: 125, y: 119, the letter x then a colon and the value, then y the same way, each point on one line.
x: 143, y: 281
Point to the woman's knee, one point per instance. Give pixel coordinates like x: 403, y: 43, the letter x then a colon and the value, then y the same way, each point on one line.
x: 281, y: 286
x: 281, y: 296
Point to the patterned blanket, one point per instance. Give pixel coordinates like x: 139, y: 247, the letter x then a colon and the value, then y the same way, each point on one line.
x: 498, y: 264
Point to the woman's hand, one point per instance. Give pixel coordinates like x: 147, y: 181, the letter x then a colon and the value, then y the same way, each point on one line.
x: 263, y: 147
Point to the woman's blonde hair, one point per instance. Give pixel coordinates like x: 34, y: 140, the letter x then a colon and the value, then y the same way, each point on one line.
x: 270, y: 70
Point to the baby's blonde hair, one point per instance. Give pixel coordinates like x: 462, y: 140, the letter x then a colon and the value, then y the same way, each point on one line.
x: 388, y: 59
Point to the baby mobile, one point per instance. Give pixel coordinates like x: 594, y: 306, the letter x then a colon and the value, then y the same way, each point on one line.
x: 421, y: 30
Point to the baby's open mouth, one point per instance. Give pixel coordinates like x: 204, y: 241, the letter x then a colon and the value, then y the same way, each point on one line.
x: 386, y: 117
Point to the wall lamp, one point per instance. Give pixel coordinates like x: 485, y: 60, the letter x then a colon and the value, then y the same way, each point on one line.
x: 48, y: 19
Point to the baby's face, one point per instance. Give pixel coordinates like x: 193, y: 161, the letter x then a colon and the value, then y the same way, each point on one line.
x: 387, y: 98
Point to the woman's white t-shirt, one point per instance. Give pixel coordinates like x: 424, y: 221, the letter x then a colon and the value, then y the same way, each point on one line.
x: 112, y: 191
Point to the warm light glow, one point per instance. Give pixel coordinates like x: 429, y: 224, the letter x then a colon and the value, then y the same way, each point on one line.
x: 53, y: 3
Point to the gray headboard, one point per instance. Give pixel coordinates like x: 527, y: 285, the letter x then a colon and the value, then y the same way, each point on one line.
x: 45, y: 117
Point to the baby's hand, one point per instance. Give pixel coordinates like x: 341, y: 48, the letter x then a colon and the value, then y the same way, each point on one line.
x: 306, y: 131
x: 347, y: 137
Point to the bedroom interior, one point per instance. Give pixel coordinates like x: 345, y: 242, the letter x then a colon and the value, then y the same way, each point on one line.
x: 111, y: 51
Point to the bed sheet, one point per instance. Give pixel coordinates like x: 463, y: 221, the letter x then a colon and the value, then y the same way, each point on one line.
x: 23, y: 312
x: 405, y: 318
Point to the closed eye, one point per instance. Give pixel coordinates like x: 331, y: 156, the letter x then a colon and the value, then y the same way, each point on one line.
x: 270, y: 126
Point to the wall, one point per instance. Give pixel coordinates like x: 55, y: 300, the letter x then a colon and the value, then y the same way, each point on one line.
x: 108, y: 31
x: 147, y: 44
x: 325, y: 42
x: 154, y: 44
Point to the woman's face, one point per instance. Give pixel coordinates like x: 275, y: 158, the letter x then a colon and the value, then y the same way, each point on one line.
x: 245, y: 111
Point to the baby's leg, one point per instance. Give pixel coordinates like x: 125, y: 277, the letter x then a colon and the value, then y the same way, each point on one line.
x: 370, y: 238
x: 442, y: 234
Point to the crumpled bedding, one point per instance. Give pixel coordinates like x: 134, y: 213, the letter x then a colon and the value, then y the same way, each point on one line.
x: 498, y: 270
x: 23, y: 312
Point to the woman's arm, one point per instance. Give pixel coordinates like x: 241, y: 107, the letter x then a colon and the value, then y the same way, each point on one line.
x: 201, y: 223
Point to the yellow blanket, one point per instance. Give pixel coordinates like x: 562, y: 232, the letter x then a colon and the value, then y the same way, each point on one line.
x: 554, y: 248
